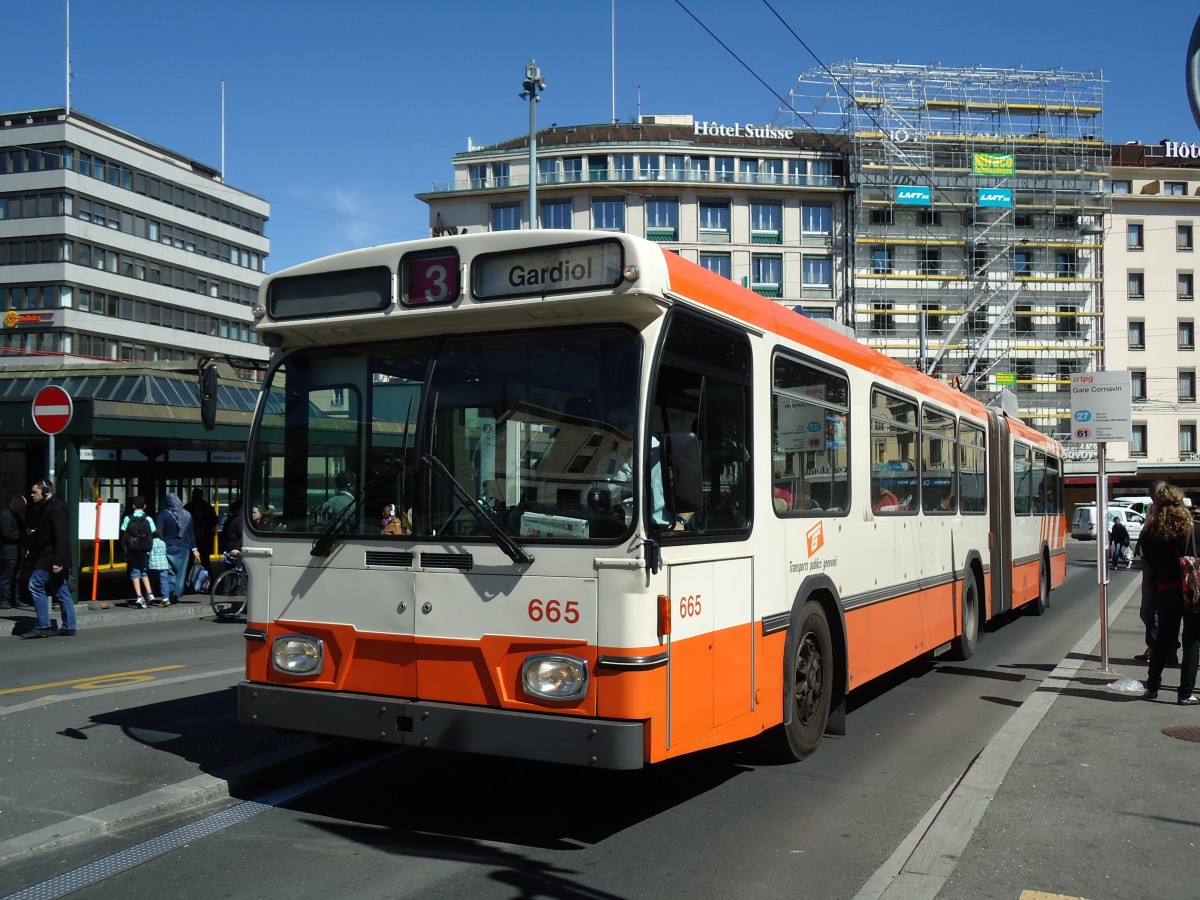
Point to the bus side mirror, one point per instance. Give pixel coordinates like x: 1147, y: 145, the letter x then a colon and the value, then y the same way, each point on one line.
x: 681, y: 452
x: 208, y: 396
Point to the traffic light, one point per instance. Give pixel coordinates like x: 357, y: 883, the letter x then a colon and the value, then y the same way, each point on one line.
x: 208, y: 395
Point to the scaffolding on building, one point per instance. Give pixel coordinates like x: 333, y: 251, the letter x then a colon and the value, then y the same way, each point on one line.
x: 978, y: 206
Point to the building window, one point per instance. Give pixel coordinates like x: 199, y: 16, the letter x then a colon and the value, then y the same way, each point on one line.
x: 1066, y: 323
x: 698, y: 168
x: 883, y: 320
x: 1135, y: 236
x: 817, y: 220
x: 933, y: 321
x: 547, y: 171
x: 1022, y: 220
x: 1187, y: 335
x: 820, y: 172
x: 766, y: 275
x: 717, y: 263
x: 1187, y: 439
x: 1137, y: 285
x: 1185, y: 285
x: 817, y: 272
x: 662, y: 220
x: 714, y: 220
x: 772, y: 171
x: 766, y: 223
x: 1137, y: 335
x: 556, y: 214
x: 881, y: 216
x: 1187, y: 385
x: 1065, y: 220
x: 608, y: 215
x: 1137, y: 378
x: 1022, y: 263
x: 881, y: 260
x: 1137, y: 446
x: 648, y: 167
x: 1121, y: 187
x: 929, y: 261
x: 500, y: 174
x: 1024, y: 319
x: 506, y: 217
x: 622, y: 164
x: 1064, y: 264
x: 1175, y: 189
x: 1183, y: 237
x: 929, y: 217
x: 478, y: 175
x: 572, y: 167
x: 674, y: 167
x: 724, y: 168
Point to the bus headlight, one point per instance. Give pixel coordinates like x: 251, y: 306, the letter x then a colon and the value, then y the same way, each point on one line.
x: 555, y: 677
x: 298, y: 654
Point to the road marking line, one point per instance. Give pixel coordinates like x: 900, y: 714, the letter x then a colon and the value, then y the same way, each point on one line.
x: 155, y: 682
x: 86, y: 680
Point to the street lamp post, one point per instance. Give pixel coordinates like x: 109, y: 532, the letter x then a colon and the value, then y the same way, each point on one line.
x: 533, y: 83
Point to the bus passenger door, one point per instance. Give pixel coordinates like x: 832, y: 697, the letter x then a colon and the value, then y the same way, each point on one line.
x: 1000, y: 475
x: 710, y: 669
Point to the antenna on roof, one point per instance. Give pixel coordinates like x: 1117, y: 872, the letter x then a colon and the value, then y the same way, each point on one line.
x: 68, y: 57
x: 613, y: 42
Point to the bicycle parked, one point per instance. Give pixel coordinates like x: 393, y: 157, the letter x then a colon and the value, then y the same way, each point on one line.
x: 228, y: 593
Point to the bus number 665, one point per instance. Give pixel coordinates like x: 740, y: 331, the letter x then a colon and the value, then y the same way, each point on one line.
x: 554, y: 611
x: 689, y: 606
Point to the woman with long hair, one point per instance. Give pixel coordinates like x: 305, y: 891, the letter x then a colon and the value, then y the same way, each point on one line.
x: 1168, y: 534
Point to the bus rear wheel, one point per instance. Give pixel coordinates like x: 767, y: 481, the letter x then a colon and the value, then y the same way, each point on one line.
x: 808, y: 683
x: 963, y: 646
x: 1042, y: 602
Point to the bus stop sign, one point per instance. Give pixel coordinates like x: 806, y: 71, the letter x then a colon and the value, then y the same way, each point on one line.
x: 52, y: 409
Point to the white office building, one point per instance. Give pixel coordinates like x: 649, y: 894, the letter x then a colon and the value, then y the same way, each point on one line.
x: 115, y: 249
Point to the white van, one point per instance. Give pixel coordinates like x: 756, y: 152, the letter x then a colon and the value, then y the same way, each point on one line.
x: 1083, y: 525
x: 1139, y: 504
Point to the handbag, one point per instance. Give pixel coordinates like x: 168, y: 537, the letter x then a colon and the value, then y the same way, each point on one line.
x: 1189, y: 576
x: 199, y: 581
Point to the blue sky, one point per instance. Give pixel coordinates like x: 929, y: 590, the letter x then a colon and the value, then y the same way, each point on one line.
x: 339, y: 113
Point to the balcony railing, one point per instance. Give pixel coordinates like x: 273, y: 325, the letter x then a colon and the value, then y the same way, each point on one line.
x: 662, y: 176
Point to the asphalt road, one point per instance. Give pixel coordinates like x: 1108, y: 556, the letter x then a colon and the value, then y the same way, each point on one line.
x: 397, y: 823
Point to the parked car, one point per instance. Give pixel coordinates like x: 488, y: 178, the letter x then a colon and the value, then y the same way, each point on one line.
x: 1083, y: 524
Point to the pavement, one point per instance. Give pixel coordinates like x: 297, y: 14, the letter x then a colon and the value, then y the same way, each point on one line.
x: 1087, y: 791
x: 111, y: 592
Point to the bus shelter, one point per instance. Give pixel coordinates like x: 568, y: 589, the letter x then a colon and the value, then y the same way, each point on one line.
x: 135, y: 429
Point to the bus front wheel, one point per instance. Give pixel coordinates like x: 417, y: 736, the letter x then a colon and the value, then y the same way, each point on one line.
x: 808, y: 682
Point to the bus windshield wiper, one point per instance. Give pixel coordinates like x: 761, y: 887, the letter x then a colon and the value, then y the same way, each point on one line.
x: 502, y: 538
x: 323, y: 542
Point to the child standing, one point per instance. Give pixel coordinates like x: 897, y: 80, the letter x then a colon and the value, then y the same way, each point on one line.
x: 160, y: 566
x: 138, y: 529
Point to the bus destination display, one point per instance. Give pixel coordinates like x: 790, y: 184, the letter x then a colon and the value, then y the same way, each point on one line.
x: 554, y: 270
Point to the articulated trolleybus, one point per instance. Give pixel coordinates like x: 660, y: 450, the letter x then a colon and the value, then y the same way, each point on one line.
x: 565, y: 496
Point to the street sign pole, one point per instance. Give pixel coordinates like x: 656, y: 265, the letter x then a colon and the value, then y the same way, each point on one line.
x: 1102, y: 411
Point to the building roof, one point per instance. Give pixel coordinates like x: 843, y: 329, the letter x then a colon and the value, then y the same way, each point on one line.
x: 683, y: 134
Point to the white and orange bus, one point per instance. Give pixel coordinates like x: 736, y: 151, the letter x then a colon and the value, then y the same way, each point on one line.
x: 642, y: 511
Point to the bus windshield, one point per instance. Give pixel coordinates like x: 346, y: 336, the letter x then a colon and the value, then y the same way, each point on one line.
x: 419, y: 437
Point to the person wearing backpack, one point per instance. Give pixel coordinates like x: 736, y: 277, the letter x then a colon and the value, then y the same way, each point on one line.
x: 138, y: 531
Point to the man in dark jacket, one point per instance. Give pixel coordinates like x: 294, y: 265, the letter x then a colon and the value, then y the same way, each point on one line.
x: 50, y: 547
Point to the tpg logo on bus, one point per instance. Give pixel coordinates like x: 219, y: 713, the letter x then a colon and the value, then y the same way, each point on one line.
x: 1101, y: 407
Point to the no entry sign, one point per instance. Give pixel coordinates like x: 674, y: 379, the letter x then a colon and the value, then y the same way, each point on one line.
x: 52, y: 409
